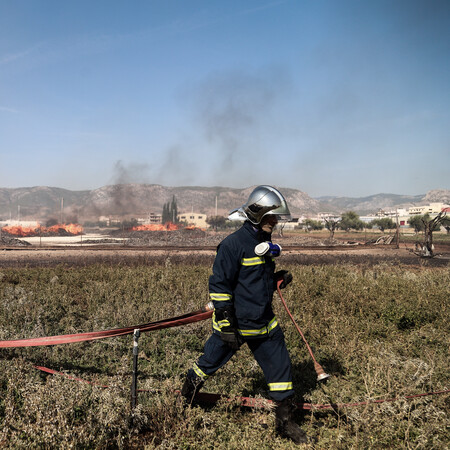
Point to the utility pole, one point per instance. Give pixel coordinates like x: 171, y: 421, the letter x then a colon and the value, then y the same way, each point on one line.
x: 397, y: 233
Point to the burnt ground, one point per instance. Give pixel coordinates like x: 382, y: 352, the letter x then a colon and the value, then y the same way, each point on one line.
x: 198, y: 247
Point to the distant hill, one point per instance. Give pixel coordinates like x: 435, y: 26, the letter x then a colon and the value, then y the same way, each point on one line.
x: 129, y: 198
x: 372, y: 203
x: 39, y: 202
x: 44, y: 203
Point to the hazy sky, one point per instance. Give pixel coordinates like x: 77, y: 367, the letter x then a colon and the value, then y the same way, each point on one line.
x: 331, y: 97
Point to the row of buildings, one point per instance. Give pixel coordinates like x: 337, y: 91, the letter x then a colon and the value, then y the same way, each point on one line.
x: 191, y: 218
x: 402, y: 215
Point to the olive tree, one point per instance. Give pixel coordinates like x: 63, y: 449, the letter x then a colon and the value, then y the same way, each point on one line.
x: 216, y: 221
x: 416, y: 222
x: 311, y: 224
x: 429, y: 226
x: 384, y: 223
x: 331, y: 225
x: 351, y: 221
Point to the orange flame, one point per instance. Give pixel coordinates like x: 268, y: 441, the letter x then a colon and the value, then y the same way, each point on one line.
x: 19, y: 231
x: 193, y: 227
x: 169, y: 226
x: 71, y: 228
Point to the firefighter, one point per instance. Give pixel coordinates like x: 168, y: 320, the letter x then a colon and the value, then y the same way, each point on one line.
x: 241, y: 289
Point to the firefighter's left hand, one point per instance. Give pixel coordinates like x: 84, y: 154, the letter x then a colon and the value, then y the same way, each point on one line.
x: 227, y: 322
x: 283, y: 275
x: 232, y: 339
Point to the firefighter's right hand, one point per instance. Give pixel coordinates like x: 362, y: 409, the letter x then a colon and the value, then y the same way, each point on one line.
x: 228, y: 332
x: 283, y: 275
x: 232, y: 339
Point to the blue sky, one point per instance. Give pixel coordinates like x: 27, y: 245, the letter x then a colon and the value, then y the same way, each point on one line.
x: 346, y: 98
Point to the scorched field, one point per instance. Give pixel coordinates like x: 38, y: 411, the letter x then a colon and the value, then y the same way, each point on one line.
x: 381, y: 330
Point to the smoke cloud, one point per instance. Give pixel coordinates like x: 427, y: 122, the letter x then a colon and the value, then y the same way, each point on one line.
x: 122, y: 197
x: 130, y: 173
x: 234, y: 111
x: 231, y: 113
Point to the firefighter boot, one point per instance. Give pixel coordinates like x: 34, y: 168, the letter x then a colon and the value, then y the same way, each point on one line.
x: 285, y: 425
x: 190, y: 388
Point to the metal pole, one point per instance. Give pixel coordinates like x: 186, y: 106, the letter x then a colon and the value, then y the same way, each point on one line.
x: 397, y: 232
x: 136, y: 335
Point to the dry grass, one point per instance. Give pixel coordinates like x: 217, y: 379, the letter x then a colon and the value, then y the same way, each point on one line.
x: 381, y: 331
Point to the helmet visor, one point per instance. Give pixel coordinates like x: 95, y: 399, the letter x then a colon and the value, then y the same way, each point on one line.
x: 282, y: 213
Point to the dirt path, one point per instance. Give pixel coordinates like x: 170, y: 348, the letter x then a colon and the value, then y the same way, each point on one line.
x: 84, y: 255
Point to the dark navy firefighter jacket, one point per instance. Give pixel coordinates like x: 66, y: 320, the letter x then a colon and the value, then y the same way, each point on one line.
x: 245, y: 281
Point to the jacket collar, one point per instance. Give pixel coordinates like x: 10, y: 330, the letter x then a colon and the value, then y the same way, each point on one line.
x: 256, y: 233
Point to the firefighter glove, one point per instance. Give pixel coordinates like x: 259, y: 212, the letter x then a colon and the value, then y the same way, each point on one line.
x: 227, y: 322
x: 283, y: 275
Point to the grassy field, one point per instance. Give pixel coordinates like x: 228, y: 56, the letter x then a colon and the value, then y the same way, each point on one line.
x: 381, y: 331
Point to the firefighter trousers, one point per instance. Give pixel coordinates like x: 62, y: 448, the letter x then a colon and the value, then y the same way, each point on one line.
x: 270, y: 353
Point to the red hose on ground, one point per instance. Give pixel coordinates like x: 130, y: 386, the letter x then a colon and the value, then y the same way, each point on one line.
x: 252, y: 402
x: 192, y: 317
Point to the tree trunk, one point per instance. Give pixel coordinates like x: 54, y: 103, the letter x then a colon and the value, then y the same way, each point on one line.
x: 428, y: 244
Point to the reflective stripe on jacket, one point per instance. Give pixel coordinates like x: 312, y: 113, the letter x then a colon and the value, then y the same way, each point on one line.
x: 245, y: 281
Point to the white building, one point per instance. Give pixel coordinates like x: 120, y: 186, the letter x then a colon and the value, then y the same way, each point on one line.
x: 193, y: 219
x: 289, y: 225
x: 151, y: 218
x: 432, y: 208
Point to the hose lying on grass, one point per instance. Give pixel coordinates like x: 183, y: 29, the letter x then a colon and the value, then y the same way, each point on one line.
x: 195, y: 316
x: 251, y: 402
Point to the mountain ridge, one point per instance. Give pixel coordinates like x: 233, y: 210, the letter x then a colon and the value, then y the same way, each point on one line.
x: 43, y: 203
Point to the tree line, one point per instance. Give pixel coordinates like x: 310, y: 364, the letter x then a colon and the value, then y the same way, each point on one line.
x: 351, y: 221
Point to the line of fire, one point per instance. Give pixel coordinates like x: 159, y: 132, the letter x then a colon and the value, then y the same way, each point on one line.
x: 74, y: 229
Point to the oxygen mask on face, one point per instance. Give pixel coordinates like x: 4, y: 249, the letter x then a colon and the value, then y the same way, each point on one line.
x: 269, y: 249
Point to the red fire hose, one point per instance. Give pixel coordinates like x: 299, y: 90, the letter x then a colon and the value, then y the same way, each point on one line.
x: 253, y: 402
x: 195, y: 316
x: 192, y: 317
x: 321, y: 375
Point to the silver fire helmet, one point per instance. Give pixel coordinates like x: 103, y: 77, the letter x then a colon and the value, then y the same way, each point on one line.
x: 262, y: 201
